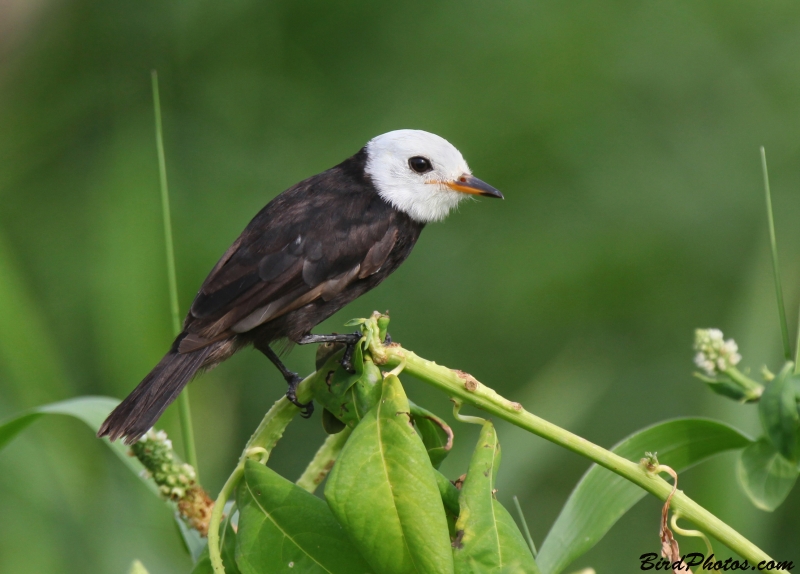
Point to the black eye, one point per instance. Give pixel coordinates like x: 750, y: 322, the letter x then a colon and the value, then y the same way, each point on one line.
x: 420, y: 164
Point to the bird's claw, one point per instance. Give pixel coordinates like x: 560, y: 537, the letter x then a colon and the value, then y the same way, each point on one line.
x: 347, y: 359
x: 306, y: 409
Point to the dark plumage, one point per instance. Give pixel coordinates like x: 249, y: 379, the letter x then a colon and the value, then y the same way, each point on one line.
x: 309, y: 252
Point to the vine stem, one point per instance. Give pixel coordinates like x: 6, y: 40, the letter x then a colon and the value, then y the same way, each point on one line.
x: 463, y: 386
x: 260, y: 445
x: 323, y: 461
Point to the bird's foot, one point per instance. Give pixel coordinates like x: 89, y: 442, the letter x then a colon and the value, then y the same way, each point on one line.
x: 351, y: 340
x: 348, y: 338
x: 306, y: 409
x: 292, y: 379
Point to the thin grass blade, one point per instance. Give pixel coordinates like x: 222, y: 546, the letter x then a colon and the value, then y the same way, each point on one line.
x: 787, y: 351
x: 187, y: 431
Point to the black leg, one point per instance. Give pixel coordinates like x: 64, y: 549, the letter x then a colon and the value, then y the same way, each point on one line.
x: 292, y: 379
x: 350, y: 340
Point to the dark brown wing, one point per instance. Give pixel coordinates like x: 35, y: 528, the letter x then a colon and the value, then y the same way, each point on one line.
x: 310, y: 242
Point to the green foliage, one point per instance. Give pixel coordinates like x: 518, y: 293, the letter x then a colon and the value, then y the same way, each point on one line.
x: 90, y: 410
x: 601, y: 498
x: 384, y: 492
x: 388, y: 509
x: 437, y: 436
x: 487, y: 539
x: 348, y: 396
x: 449, y: 493
x: 766, y: 476
x: 283, y: 528
x: 723, y: 385
x: 227, y: 538
x: 626, y: 140
x: 93, y: 411
x: 779, y: 413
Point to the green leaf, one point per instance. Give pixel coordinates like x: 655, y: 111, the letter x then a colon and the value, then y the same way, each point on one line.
x: 343, y: 380
x: 723, y: 385
x: 330, y: 423
x: 137, y: 568
x: 766, y: 477
x: 448, y: 492
x: 437, y: 436
x: 778, y: 411
x: 227, y: 540
x: 91, y: 410
x: 602, y: 497
x: 384, y: 492
x: 488, y: 539
x: 283, y: 528
x: 193, y: 543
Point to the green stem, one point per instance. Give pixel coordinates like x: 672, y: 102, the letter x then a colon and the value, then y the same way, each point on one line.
x: 776, y: 272
x: 261, y: 443
x: 323, y: 460
x: 187, y: 431
x: 754, y: 389
x: 216, y: 518
x: 465, y: 387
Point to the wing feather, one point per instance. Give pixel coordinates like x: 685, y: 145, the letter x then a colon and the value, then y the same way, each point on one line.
x: 311, y: 242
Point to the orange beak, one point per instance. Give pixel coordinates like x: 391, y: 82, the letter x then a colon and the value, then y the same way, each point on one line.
x: 474, y: 186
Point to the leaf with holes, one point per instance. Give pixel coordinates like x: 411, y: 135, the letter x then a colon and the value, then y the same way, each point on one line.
x: 347, y: 397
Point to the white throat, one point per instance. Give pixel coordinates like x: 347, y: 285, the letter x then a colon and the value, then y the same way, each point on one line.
x: 424, y: 197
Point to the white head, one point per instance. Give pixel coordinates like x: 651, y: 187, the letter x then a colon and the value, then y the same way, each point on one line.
x: 421, y: 174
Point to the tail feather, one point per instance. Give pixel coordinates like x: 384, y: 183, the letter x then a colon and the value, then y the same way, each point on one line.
x: 135, y: 415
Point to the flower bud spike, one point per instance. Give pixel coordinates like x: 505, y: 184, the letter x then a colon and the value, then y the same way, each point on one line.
x: 176, y: 480
x: 714, y: 354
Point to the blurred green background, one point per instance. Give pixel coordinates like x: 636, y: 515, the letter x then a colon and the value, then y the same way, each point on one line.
x: 624, y: 135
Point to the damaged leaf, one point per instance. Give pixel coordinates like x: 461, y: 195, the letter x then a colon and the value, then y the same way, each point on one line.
x: 437, y: 436
x: 487, y: 538
x: 346, y: 397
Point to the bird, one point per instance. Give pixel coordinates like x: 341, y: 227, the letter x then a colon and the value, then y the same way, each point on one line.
x: 310, y: 251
